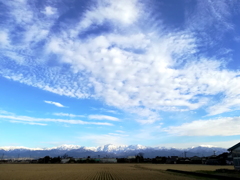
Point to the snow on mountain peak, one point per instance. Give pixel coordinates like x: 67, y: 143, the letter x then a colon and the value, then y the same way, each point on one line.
x: 113, y: 148
x: 110, y: 147
x: 12, y: 148
x: 208, y: 146
x: 66, y: 147
x: 136, y: 147
x: 203, y: 146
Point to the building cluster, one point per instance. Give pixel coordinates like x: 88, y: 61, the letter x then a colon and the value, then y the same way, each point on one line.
x: 222, y: 159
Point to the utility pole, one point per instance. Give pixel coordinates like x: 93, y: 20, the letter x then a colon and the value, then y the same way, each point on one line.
x: 2, y: 156
x: 185, y: 154
x: 214, y: 153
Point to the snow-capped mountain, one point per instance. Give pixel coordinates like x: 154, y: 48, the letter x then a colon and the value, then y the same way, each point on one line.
x: 120, y: 148
x: 108, y: 150
x: 12, y: 148
x: 66, y: 147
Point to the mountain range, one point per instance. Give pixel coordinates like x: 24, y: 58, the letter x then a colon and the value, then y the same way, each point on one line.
x: 108, y: 150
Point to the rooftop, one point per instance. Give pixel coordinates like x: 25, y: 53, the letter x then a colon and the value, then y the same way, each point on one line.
x: 234, y: 147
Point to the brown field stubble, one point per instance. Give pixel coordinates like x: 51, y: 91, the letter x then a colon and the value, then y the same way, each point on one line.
x: 96, y: 171
x: 185, y: 167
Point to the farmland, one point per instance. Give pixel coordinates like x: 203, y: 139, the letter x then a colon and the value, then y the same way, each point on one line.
x: 98, y: 171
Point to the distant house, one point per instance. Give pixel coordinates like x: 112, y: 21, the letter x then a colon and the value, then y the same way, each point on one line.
x: 196, y: 160
x: 225, y: 158
x: 131, y: 157
x: 229, y: 160
x: 158, y: 159
x: 172, y: 160
x: 108, y: 160
x: 235, y: 150
x: 65, y: 160
x: 34, y: 161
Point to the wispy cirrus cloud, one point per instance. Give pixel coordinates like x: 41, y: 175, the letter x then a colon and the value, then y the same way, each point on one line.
x: 37, y: 121
x: 118, y: 134
x: 4, y: 39
x: 106, y: 110
x: 120, y: 131
x: 68, y: 115
x: 30, y: 123
x: 103, y: 117
x: 55, y: 103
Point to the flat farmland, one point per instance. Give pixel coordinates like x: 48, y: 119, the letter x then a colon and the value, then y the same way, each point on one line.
x: 97, y: 171
x: 184, y: 167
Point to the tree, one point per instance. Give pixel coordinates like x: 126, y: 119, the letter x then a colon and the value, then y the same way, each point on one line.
x: 140, y: 154
x: 65, y: 156
x: 56, y: 160
x: 46, y: 159
x: 139, y: 157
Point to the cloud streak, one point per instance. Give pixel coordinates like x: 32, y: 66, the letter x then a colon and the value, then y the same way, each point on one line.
x: 67, y: 115
x: 34, y: 121
x: 103, y: 117
x: 30, y: 123
x: 54, y: 103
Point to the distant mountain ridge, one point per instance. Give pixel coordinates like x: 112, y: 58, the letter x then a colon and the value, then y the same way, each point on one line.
x: 108, y: 150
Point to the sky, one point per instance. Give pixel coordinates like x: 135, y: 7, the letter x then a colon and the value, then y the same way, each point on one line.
x: 156, y: 73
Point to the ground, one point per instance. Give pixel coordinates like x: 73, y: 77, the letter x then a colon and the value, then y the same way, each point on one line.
x: 99, y: 171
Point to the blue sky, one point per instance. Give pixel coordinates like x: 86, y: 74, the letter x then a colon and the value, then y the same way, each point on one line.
x: 90, y: 73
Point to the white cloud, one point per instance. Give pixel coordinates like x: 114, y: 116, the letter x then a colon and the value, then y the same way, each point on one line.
x: 5, y: 112
x: 68, y: 115
x: 226, y: 126
x: 54, y: 103
x: 120, y: 131
x: 49, y: 11
x: 118, y: 134
x: 106, y: 110
x: 141, y: 70
x: 148, y: 120
x: 4, y: 40
x: 33, y: 120
x: 222, y: 144
x: 125, y: 12
x: 103, y: 117
x: 31, y: 123
x: 34, y: 28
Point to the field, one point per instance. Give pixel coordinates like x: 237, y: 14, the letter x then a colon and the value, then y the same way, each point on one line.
x: 99, y: 171
x: 185, y: 167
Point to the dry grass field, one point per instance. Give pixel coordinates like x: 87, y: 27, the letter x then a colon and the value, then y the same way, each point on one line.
x: 97, y: 171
